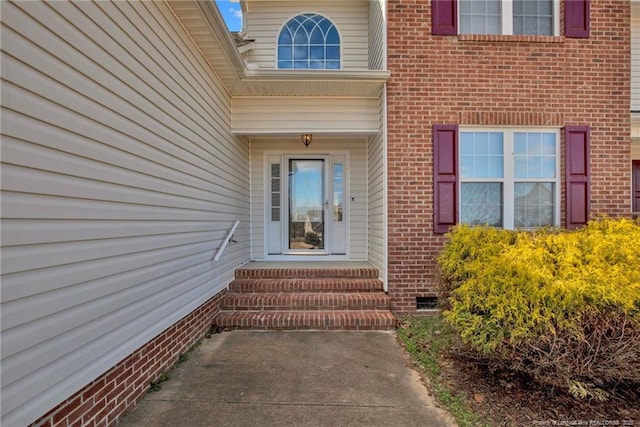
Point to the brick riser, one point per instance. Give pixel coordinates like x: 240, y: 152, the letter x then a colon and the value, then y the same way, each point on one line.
x: 330, y: 320
x: 323, y: 284
x: 288, y: 273
x: 306, y: 299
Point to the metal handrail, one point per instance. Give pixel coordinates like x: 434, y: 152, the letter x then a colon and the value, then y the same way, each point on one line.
x: 226, y: 241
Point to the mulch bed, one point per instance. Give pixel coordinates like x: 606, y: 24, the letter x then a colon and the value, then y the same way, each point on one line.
x: 512, y: 399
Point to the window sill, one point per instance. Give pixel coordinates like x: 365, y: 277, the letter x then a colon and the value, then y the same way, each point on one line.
x: 509, y: 38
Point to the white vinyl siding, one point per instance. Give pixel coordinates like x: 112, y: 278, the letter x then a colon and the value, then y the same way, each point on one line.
x: 357, y: 239
x: 377, y: 10
x: 265, y: 19
x: 304, y: 115
x: 635, y: 64
x: 120, y: 179
x: 376, y: 195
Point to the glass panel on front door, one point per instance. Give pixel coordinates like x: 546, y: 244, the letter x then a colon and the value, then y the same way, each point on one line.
x: 307, y: 204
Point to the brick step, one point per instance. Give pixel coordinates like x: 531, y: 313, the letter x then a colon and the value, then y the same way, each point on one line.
x: 306, y: 301
x: 287, y: 273
x: 317, y: 319
x: 324, y: 284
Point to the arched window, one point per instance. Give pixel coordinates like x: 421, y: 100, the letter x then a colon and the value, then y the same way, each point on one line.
x: 309, y: 41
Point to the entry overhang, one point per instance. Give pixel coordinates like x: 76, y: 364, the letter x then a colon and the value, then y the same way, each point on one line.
x: 205, y: 25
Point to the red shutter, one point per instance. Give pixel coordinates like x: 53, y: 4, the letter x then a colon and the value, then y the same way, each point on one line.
x: 576, y: 18
x: 445, y: 177
x: 444, y: 17
x: 577, y: 175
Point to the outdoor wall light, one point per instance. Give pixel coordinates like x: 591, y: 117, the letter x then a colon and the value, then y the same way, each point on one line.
x: 306, y: 139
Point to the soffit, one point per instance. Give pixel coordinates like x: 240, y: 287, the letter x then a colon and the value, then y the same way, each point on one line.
x: 330, y: 83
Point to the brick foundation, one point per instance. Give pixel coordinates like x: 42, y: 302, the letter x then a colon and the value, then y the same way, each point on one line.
x: 104, y: 400
x: 496, y: 80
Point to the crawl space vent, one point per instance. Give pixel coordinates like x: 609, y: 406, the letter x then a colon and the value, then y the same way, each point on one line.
x: 426, y: 303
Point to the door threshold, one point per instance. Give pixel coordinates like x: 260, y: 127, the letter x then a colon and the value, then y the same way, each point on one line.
x: 302, y: 257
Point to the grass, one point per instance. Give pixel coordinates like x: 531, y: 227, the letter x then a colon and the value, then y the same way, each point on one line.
x: 157, y: 384
x: 427, y: 339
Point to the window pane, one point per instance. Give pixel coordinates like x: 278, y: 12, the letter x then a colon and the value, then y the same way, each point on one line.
x: 325, y: 25
x: 466, y: 143
x: 534, y: 144
x: 275, y: 170
x: 548, y: 167
x: 478, y: 7
x: 545, y: 26
x: 481, y: 143
x: 316, y: 37
x: 300, y: 36
x: 316, y: 52
x: 533, y: 205
x: 338, y: 194
x: 300, y: 52
x: 534, y: 167
x: 496, y: 167
x: 275, y: 192
x: 518, y: 24
x: 494, y: 24
x: 285, y: 37
x: 284, y: 53
x: 467, y: 169
x: 332, y: 65
x: 545, y: 7
x: 520, y: 144
x: 481, y: 155
x: 530, y: 25
x: 333, y: 52
x: 549, y: 144
x: 493, y: 7
x: 481, y: 204
x: 533, y: 17
x: 309, y: 24
x: 480, y: 16
x: 534, y: 155
x: 518, y: 7
x: 465, y: 24
x: 479, y: 24
x: 531, y: 7
x: 333, y: 37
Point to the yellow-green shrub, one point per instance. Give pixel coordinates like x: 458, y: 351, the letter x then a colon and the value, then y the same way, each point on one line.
x: 540, y: 301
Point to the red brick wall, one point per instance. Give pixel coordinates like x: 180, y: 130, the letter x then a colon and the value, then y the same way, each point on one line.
x: 496, y: 80
x: 103, y: 401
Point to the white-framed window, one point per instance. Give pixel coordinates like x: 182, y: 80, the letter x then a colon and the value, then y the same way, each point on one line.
x: 509, y: 177
x: 509, y: 17
x: 309, y: 41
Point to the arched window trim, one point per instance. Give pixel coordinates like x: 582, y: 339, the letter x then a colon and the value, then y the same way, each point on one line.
x: 291, y: 17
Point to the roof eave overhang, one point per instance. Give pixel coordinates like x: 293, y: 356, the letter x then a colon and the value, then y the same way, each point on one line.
x: 239, y: 80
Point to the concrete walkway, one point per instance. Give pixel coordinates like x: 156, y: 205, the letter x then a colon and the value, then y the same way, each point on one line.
x: 292, y: 378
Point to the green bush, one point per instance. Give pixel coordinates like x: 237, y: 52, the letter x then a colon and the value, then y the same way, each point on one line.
x: 561, y: 306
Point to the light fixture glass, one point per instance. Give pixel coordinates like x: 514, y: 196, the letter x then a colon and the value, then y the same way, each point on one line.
x: 306, y: 139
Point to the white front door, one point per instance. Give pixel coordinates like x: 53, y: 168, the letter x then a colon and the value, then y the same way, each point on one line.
x: 305, y: 205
